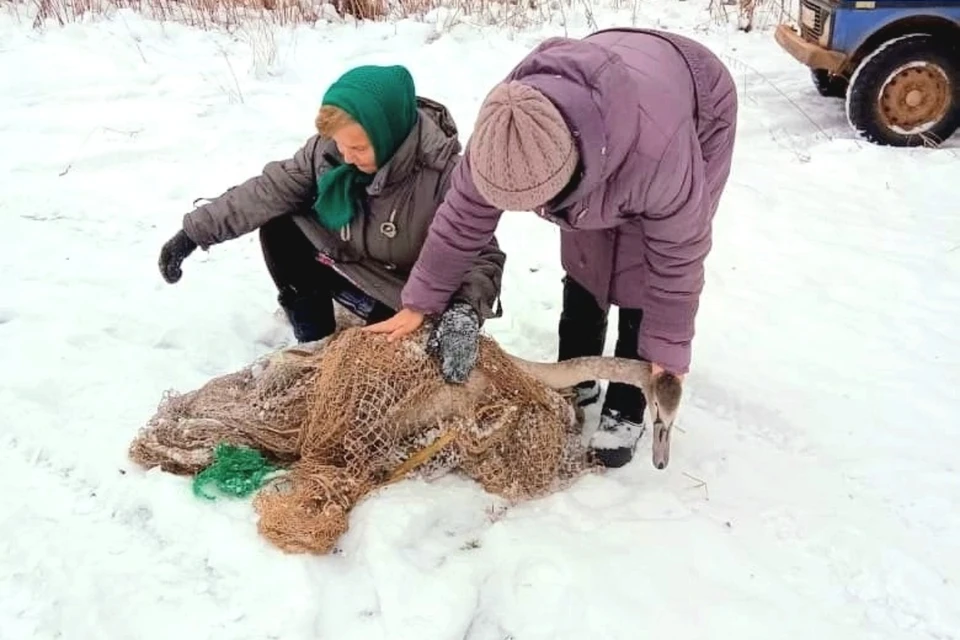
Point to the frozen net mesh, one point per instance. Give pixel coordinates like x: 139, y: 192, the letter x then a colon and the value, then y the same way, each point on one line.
x: 352, y: 413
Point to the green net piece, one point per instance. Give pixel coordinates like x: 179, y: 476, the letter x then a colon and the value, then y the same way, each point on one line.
x: 236, y: 471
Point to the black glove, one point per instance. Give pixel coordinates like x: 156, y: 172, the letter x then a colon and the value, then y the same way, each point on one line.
x: 173, y: 253
x: 455, y: 341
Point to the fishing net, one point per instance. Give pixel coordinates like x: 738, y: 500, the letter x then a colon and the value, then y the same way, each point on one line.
x: 352, y: 413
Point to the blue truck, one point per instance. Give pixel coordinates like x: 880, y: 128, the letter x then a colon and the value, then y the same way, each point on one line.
x: 896, y: 64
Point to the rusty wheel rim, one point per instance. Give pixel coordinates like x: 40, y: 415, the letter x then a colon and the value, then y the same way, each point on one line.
x: 915, y: 97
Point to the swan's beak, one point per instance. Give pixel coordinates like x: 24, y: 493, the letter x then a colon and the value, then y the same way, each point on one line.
x: 665, y: 392
x: 661, y: 443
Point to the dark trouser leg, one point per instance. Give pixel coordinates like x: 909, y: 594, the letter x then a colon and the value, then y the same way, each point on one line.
x: 356, y: 301
x: 301, y: 280
x: 307, y: 287
x: 624, y: 400
x: 582, y: 332
x: 621, y: 420
x: 380, y: 313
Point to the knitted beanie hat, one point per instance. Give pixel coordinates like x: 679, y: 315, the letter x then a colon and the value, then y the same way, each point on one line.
x: 521, y: 152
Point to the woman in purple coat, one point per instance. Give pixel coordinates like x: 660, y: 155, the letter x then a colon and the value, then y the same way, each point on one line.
x: 624, y: 139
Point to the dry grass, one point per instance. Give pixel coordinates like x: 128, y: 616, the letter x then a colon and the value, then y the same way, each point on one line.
x: 751, y: 14
x: 197, y: 13
x: 206, y: 14
x: 231, y: 13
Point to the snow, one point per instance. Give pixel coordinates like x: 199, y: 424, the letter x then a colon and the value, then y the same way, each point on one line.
x: 814, y: 490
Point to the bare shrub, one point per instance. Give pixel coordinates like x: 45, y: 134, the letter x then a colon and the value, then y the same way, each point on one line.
x: 203, y: 14
x: 751, y: 14
x: 231, y: 14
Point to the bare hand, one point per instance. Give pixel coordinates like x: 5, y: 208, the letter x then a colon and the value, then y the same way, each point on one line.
x: 403, y: 323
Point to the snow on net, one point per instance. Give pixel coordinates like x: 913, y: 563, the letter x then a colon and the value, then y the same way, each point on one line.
x: 353, y: 413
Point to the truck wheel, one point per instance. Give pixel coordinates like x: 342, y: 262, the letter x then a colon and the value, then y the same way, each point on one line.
x: 829, y: 86
x: 906, y: 93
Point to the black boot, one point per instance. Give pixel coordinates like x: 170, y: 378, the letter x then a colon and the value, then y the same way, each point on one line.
x: 621, y: 419
x: 307, y: 286
x: 582, y: 331
x: 302, y: 282
x: 310, y: 315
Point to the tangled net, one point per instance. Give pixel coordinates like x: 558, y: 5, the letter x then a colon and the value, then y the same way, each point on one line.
x: 352, y: 413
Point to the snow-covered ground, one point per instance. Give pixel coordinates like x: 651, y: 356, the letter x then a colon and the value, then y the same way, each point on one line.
x: 814, y: 490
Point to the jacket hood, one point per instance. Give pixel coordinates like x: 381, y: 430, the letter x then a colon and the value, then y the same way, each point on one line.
x: 593, y: 90
x: 431, y: 144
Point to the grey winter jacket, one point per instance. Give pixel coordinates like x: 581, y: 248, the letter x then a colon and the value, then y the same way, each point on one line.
x: 378, y: 249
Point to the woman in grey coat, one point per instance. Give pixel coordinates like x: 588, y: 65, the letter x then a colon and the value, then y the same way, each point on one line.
x: 345, y: 218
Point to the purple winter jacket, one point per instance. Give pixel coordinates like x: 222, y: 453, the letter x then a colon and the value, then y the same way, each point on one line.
x: 654, y: 115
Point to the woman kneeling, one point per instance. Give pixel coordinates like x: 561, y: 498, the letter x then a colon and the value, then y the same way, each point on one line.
x: 345, y: 218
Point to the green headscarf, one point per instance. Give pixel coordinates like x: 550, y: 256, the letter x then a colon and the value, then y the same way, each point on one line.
x: 383, y: 101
